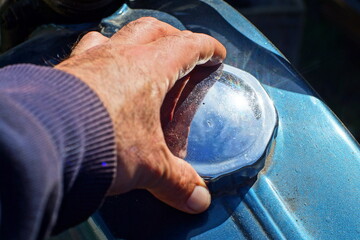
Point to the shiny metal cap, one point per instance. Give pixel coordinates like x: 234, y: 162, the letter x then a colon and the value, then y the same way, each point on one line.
x: 229, y: 121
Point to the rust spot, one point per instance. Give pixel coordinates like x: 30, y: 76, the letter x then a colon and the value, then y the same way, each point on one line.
x: 269, y: 158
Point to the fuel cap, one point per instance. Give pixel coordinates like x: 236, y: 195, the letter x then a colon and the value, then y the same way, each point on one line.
x: 224, y: 128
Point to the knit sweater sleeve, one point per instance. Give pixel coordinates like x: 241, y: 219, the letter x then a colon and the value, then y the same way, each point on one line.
x: 57, y: 151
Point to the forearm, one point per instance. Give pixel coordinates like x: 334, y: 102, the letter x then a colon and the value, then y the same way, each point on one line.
x: 58, y: 149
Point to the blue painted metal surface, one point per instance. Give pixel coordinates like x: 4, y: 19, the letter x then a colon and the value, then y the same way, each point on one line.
x: 309, y: 187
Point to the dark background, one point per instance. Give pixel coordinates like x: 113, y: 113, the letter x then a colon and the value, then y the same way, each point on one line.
x: 321, y: 38
x: 330, y: 58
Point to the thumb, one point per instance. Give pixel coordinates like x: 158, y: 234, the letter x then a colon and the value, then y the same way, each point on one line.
x: 182, y: 188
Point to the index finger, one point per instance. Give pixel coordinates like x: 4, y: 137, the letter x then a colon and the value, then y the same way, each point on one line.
x: 181, y: 52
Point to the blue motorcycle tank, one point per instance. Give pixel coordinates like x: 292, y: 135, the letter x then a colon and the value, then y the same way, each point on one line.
x: 309, y: 187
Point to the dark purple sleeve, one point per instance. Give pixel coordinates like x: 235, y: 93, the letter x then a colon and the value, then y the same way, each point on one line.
x: 57, y: 151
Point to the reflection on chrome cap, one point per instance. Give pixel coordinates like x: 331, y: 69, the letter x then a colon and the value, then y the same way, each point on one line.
x: 231, y: 123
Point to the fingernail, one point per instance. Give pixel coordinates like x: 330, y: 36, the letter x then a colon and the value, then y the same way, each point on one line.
x: 199, y: 200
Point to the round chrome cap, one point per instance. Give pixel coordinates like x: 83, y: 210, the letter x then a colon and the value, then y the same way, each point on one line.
x: 230, y: 121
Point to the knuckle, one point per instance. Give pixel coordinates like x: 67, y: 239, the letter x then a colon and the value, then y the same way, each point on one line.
x: 159, y: 29
x: 184, y: 180
x: 148, y: 20
x: 145, y: 21
x: 155, y: 25
x: 186, y: 33
x: 127, y: 28
x: 140, y: 23
x: 179, y: 37
x: 190, y: 38
x: 92, y: 35
x: 204, y: 38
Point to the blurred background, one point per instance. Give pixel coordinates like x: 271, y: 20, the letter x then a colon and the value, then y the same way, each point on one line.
x: 321, y: 38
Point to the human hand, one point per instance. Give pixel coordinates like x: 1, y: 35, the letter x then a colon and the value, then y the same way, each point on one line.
x: 132, y: 72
